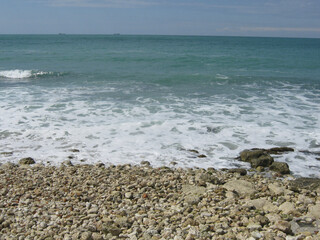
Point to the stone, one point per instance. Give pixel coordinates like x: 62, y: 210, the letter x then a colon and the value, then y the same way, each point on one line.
x: 86, y: 236
x: 97, y: 236
x: 248, y: 155
x: 287, y: 208
x: 280, y: 167
x: 264, y: 160
x: 67, y: 163
x: 279, y: 150
x: 241, y: 171
x: 145, y: 163
x: 314, y: 211
x: 27, y: 161
x: 276, y: 189
x: 207, y: 177
x: 242, y: 187
x: 283, y: 226
x: 263, y: 204
x: 305, y: 183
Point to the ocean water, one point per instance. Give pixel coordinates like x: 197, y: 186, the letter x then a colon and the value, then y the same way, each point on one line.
x: 124, y: 99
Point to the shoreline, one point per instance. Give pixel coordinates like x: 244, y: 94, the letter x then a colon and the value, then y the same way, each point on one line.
x: 142, y: 202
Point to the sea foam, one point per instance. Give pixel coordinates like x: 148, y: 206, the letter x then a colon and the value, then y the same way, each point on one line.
x: 22, y: 74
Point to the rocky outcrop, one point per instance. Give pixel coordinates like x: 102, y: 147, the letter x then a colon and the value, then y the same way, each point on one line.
x: 280, y: 167
x: 261, y: 158
x: 26, y: 161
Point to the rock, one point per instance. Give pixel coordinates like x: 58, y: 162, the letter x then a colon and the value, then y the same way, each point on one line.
x: 193, y: 190
x: 100, y: 165
x: 263, y: 204
x: 262, y: 161
x: 254, y: 226
x: 279, y: 150
x: 128, y: 195
x: 241, y: 171
x: 207, y: 177
x: 305, y: 183
x: 276, y: 189
x: 280, y: 167
x: 256, y: 157
x: 248, y: 155
x: 283, y: 226
x: 145, y: 163
x: 201, y: 156
x: 96, y: 236
x: 314, y: 211
x: 242, y: 187
x: 67, y: 163
x: 27, y: 161
x: 86, y: 236
x: 263, y: 220
x: 6, y: 153
x: 192, y: 199
x: 287, y: 208
x: 74, y: 150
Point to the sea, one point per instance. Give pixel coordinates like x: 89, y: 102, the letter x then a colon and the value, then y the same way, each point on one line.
x: 193, y: 101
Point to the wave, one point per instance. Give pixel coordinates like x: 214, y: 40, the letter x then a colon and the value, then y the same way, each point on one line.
x: 23, y: 74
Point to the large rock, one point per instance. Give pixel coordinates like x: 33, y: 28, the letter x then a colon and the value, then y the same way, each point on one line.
x: 263, y: 204
x: 280, y: 167
x: 287, y: 208
x: 193, y: 193
x: 314, y: 211
x: 257, y: 158
x: 262, y: 161
x: 242, y: 187
x: 27, y: 161
x: 305, y: 183
x: 248, y: 155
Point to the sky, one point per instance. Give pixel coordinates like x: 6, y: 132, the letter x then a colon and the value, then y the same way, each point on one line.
x: 272, y: 18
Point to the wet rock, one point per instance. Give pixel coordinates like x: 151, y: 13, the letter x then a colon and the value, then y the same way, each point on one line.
x: 27, y: 161
x: 6, y: 153
x: 74, y: 150
x: 262, y: 161
x: 145, y: 163
x: 257, y: 157
x: 280, y: 167
x: 241, y: 171
x: 279, y: 150
x: 67, y: 163
x: 248, y: 155
x: 305, y: 183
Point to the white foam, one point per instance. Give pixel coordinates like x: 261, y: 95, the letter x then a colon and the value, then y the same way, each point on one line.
x: 16, y: 74
x: 22, y: 74
x: 45, y: 125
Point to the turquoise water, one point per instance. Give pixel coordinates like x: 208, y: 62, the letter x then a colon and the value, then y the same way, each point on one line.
x: 123, y: 99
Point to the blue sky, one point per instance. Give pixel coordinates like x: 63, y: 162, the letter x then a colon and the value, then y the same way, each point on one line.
x: 282, y: 18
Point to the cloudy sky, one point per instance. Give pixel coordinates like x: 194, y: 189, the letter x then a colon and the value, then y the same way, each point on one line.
x: 282, y: 18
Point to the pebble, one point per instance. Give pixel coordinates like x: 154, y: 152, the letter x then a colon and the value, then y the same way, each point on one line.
x: 141, y: 202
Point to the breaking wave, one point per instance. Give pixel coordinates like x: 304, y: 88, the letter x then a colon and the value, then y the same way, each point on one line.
x: 23, y: 74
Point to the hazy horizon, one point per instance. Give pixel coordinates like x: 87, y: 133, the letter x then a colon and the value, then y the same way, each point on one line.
x: 270, y: 18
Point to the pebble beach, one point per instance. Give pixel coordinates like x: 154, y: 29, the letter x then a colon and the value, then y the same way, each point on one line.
x: 142, y: 202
